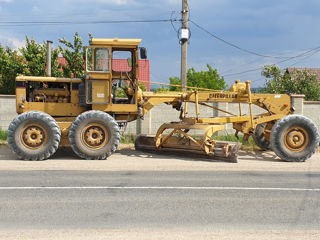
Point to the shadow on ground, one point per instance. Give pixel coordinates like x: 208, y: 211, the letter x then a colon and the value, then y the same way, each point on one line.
x: 267, y: 156
x: 67, y: 153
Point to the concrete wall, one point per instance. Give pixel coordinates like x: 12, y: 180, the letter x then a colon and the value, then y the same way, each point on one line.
x: 7, y: 110
x: 311, y: 109
x: 165, y: 113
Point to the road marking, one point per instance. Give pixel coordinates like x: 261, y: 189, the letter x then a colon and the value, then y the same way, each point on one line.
x: 160, y: 188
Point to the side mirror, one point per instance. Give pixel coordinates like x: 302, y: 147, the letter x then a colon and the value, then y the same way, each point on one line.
x: 143, y: 53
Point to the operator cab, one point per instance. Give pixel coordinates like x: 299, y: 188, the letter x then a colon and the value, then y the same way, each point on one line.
x: 112, y: 71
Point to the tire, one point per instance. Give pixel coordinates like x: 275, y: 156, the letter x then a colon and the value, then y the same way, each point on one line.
x: 294, y: 138
x: 94, y: 135
x: 34, y: 136
x: 260, y: 138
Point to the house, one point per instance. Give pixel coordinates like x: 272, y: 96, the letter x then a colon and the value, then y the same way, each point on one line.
x: 123, y: 65
x: 309, y: 70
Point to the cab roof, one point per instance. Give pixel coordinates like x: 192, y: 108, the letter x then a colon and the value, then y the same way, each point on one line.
x: 115, y: 41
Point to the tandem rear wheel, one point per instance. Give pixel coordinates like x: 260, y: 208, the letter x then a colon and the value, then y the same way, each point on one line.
x: 94, y: 135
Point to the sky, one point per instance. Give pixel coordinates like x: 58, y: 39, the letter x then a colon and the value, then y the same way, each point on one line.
x: 260, y: 32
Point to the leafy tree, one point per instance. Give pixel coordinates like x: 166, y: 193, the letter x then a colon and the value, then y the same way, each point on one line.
x: 11, y: 64
x: 297, y: 82
x: 203, y: 79
x: 74, y: 53
x: 36, y: 56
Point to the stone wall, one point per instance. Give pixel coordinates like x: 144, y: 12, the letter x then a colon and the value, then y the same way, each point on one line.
x: 311, y: 109
x: 7, y: 110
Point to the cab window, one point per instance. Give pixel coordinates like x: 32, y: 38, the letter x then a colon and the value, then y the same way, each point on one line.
x: 98, y: 59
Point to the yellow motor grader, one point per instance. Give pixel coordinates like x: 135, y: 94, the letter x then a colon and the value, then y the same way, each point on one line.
x: 87, y: 113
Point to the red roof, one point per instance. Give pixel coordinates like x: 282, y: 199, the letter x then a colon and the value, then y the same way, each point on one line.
x: 309, y: 70
x: 123, y: 65
x: 62, y: 61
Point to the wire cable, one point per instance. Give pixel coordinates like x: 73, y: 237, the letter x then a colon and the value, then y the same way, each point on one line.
x: 234, y: 45
x: 36, y: 23
x: 317, y: 49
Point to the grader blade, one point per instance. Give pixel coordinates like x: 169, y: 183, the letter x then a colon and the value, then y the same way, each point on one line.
x: 145, y: 143
x: 222, y: 150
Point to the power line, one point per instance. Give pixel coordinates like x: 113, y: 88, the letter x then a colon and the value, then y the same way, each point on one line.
x: 36, y: 23
x: 244, y: 64
x: 310, y: 52
x: 301, y: 60
x: 315, y: 50
x: 234, y: 45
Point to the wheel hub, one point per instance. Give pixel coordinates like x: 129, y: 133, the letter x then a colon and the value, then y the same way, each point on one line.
x: 296, y: 139
x: 33, y: 136
x: 94, y: 136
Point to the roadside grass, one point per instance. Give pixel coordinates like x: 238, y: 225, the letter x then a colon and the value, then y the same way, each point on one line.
x: 3, y: 136
x: 127, y: 139
x: 247, y: 146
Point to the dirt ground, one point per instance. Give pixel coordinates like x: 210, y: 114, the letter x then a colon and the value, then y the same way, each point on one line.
x: 127, y: 159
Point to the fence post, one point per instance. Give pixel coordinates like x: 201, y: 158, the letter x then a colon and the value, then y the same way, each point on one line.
x: 297, y: 102
x: 144, y: 126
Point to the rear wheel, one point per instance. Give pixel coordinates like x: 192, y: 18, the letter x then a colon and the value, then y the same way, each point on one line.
x: 294, y: 138
x: 94, y: 135
x: 34, y: 135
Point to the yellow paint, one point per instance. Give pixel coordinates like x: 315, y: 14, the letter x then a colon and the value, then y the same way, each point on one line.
x: 116, y: 108
x: 64, y: 128
x: 115, y: 42
x: 100, y: 92
x: 54, y: 109
x: 47, y: 79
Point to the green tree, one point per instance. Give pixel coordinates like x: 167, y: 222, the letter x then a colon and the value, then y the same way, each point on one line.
x: 36, y: 56
x: 297, y: 82
x: 11, y: 64
x: 204, y: 79
x: 74, y: 53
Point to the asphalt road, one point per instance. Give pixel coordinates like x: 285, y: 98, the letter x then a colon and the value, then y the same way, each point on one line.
x: 198, y: 200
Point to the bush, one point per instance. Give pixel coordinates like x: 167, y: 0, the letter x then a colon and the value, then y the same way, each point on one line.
x: 3, y: 135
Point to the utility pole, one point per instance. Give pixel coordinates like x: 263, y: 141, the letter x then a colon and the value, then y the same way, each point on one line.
x: 184, y: 44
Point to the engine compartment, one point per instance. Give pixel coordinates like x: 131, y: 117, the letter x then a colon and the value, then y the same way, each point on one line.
x: 48, y: 92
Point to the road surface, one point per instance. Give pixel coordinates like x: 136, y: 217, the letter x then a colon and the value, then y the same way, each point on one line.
x: 201, y: 201
x: 136, y: 196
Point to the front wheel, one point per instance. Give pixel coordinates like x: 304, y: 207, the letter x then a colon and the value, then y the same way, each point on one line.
x: 94, y: 135
x: 294, y: 138
x: 260, y: 138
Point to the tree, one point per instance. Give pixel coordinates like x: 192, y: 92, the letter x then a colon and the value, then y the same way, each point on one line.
x: 11, y: 64
x: 204, y: 79
x: 36, y: 56
x: 30, y: 60
x: 297, y: 82
x: 74, y: 53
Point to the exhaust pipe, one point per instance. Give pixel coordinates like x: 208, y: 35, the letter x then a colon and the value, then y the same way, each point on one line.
x: 49, y: 47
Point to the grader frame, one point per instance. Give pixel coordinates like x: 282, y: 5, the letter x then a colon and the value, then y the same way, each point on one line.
x: 86, y: 114
x: 276, y: 107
